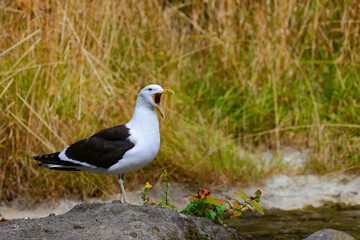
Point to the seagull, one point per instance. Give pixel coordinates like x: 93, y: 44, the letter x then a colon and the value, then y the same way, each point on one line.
x: 116, y: 150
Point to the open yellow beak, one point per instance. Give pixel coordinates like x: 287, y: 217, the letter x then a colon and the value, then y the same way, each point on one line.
x: 157, y: 98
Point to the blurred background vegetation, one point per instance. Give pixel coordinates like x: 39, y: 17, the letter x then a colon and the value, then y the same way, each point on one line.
x: 250, y: 76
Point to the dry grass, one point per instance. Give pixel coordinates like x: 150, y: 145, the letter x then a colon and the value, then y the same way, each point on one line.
x: 248, y: 75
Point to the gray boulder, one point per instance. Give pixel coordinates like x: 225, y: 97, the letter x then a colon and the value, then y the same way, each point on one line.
x: 116, y: 221
x: 329, y: 234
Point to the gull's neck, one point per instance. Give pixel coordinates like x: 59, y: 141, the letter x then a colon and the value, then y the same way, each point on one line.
x: 144, y: 117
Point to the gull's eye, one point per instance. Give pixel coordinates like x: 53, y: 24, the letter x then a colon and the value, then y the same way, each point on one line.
x: 150, y: 89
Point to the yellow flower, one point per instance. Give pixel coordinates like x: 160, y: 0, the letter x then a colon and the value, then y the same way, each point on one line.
x: 149, y: 54
x: 161, y: 53
x: 148, y: 185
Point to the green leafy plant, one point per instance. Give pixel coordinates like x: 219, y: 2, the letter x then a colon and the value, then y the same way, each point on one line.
x: 166, y: 201
x: 237, y: 208
x: 144, y: 195
x: 203, y: 204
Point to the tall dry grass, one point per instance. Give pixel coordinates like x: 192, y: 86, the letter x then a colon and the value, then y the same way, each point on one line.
x: 249, y: 76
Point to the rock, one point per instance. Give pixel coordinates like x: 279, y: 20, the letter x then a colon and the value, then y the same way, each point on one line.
x: 116, y: 221
x: 329, y: 234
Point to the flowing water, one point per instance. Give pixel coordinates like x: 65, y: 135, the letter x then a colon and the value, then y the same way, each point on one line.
x: 299, y: 224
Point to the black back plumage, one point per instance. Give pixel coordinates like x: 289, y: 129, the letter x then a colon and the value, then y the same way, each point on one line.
x: 103, y: 149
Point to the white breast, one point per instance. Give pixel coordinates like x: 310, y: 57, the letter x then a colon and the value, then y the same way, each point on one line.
x: 144, y: 151
x: 144, y: 133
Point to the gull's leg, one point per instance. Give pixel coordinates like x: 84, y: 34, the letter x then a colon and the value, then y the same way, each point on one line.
x: 121, y: 182
x: 123, y: 189
x: 123, y: 197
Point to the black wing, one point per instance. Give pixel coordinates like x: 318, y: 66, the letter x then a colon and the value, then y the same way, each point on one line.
x: 53, y: 161
x: 103, y: 149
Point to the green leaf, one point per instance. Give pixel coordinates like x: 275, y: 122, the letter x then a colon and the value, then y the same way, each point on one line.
x: 257, y: 207
x: 220, y: 209
x: 236, y: 204
x: 212, y: 201
x: 223, y: 207
x: 220, y: 220
x: 213, y: 215
x: 241, y: 191
x: 237, y: 213
x: 220, y: 200
x: 242, y: 196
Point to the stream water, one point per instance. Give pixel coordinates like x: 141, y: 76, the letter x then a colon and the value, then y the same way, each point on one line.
x: 299, y: 224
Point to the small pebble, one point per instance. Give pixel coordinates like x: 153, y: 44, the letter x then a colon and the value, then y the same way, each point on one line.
x: 26, y: 218
x: 336, y: 194
x: 78, y: 226
x: 52, y: 214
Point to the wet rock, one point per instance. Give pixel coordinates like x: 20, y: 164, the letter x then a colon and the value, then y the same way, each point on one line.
x: 116, y: 221
x: 329, y: 234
